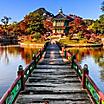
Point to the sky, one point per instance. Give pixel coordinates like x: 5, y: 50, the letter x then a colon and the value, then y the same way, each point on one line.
x: 17, y: 9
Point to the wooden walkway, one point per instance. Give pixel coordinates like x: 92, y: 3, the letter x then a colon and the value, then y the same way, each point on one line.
x: 53, y: 82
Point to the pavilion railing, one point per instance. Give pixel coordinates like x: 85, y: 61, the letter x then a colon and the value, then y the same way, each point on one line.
x: 19, y: 84
x: 96, y: 95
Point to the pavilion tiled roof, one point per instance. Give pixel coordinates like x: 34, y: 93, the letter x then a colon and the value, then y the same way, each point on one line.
x: 61, y: 16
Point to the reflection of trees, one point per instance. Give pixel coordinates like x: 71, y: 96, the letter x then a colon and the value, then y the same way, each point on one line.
x: 96, y: 53
x: 82, y: 52
x: 6, y: 51
x: 26, y: 53
x: 99, y: 57
x: 102, y: 74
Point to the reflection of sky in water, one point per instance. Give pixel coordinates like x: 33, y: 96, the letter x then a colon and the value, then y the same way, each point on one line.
x: 94, y: 71
x: 8, y: 70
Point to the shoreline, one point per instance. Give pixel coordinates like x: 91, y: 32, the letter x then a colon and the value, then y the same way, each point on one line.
x: 10, y: 45
x: 38, y: 45
x: 83, y: 45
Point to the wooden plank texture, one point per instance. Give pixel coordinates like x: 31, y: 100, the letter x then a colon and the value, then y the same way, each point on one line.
x: 53, y: 82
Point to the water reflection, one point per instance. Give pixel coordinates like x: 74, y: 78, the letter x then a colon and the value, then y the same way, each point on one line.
x: 26, y: 53
x: 94, y: 57
x: 10, y: 58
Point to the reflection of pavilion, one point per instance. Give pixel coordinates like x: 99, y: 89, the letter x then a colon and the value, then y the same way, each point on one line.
x: 6, y: 58
x: 4, y: 54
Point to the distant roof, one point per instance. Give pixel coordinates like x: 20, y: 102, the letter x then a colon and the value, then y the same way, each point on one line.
x: 60, y: 15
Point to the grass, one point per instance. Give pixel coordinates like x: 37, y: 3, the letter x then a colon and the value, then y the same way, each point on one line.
x: 34, y: 42
x: 68, y: 41
x: 82, y: 41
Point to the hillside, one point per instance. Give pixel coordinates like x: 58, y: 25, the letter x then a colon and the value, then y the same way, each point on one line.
x: 37, y: 23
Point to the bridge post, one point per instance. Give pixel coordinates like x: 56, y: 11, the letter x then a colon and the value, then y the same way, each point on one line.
x: 34, y: 58
x: 40, y: 53
x: 85, y: 71
x: 62, y: 49
x: 20, y: 72
x: 73, y: 58
x: 65, y: 53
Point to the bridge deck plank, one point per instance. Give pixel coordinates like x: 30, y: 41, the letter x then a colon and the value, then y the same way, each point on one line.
x: 53, y: 82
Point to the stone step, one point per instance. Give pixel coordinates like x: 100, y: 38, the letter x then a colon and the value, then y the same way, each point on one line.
x: 70, y: 73
x: 51, y: 62
x: 53, y: 66
x: 52, y: 101
x: 48, y: 59
x: 53, y: 75
x: 68, y: 77
x: 57, y: 86
x: 54, y: 89
x: 56, y: 98
x: 53, y: 71
x: 53, y: 57
x: 51, y: 89
x: 55, y: 52
x: 53, y: 81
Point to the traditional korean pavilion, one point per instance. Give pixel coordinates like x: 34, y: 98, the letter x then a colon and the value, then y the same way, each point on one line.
x: 61, y: 23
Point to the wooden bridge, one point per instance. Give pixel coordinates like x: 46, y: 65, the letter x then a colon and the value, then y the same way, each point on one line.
x: 52, y: 79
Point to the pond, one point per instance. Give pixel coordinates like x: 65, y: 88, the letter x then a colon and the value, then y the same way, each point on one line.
x: 11, y: 57
x: 94, y: 58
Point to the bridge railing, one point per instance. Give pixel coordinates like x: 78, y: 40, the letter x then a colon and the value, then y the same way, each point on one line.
x: 33, y: 63
x: 12, y: 92
x: 96, y: 95
x: 19, y: 84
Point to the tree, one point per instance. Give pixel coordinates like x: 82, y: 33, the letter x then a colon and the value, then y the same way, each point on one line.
x: 37, y: 35
x: 77, y: 26
x: 5, y: 21
x: 14, y: 29
x: 34, y: 22
x: 48, y: 24
x: 98, y: 26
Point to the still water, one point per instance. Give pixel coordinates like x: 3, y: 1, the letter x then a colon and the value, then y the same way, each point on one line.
x: 12, y: 57
x: 94, y: 58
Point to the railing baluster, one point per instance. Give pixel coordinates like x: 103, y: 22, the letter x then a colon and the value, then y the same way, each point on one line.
x: 84, y: 72
x: 21, y: 73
